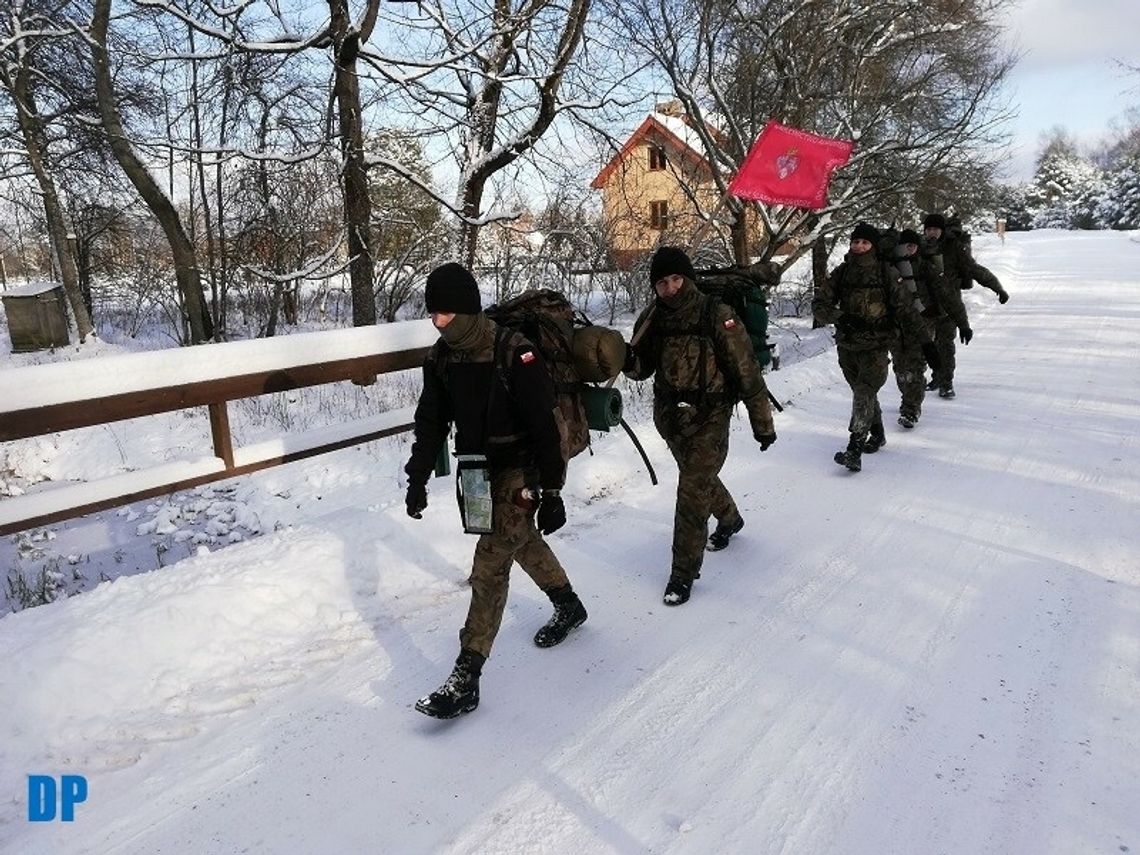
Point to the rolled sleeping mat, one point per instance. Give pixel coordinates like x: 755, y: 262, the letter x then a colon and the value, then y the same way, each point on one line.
x: 599, y: 353
x: 603, y: 407
x: 442, y: 461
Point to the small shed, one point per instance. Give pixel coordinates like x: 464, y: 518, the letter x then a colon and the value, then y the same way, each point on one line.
x: 37, y: 316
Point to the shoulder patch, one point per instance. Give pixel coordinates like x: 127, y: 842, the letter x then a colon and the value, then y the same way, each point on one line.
x: 729, y: 323
x: 527, y: 357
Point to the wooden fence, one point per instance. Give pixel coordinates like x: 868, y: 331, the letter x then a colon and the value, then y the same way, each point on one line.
x: 44, y: 399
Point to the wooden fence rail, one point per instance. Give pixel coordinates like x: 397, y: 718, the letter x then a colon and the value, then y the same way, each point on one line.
x: 44, y: 399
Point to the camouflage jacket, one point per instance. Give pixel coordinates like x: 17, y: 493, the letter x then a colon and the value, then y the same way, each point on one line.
x: 866, y: 300
x: 959, y: 266
x: 699, y: 353
x: 940, y: 297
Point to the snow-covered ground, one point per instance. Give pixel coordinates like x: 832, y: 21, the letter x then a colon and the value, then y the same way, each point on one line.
x: 940, y: 654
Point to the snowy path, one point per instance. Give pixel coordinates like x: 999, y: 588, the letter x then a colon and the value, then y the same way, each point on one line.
x: 940, y: 654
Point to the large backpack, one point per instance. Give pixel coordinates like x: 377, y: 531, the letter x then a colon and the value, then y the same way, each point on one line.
x: 743, y: 289
x: 961, y: 243
x: 548, y: 320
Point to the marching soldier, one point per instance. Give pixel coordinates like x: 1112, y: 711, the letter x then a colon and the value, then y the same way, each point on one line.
x: 702, y: 362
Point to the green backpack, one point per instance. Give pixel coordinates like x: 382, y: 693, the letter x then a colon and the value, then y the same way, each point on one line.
x: 744, y: 290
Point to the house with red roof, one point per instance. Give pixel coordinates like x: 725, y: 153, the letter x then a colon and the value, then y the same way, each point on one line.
x: 652, y: 187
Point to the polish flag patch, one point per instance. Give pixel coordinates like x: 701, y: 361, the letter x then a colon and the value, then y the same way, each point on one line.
x: 527, y: 357
x: 730, y: 324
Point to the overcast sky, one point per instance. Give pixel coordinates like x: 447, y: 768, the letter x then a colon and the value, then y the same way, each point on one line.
x: 1068, y: 74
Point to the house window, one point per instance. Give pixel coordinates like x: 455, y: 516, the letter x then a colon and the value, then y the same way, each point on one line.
x: 658, y: 215
x: 656, y: 158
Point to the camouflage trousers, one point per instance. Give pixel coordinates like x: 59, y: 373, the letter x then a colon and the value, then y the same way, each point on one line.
x: 698, y: 441
x: 865, y: 372
x: 945, y: 333
x: 514, y: 538
x: 910, y: 374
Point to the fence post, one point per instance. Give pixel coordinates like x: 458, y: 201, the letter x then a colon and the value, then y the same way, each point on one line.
x: 220, y: 429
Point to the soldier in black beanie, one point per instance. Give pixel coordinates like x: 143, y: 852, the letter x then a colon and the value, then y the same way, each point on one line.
x: 947, y: 245
x: 934, y: 221
x: 669, y: 260
x: 701, y: 359
x: 865, y: 298
x: 493, y: 386
x: 939, y: 303
x: 452, y: 289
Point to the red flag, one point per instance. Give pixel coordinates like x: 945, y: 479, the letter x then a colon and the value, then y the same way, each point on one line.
x: 787, y: 166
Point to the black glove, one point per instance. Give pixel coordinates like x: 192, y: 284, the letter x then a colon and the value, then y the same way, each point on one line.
x: 965, y: 334
x: 765, y: 439
x: 630, y: 359
x: 930, y: 354
x: 416, y: 500
x: 1003, y: 296
x: 551, y: 514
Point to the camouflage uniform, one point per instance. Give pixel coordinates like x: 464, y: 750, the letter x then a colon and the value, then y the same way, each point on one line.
x: 702, y: 362
x: 867, y: 302
x: 520, y: 431
x: 514, y: 538
x: 960, y: 271
x: 938, y: 304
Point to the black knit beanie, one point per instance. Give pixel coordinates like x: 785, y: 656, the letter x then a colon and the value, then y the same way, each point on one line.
x: 669, y: 260
x: 934, y: 221
x: 865, y: 231
x: 451, y: 288
x: 910, y: 236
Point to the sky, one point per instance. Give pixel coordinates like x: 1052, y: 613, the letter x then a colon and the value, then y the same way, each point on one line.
x: 1068, y: 74
x: 937, y: 654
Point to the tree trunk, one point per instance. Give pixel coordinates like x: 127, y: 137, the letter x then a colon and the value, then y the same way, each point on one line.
x: 186, y: 271
x: 470, y: 204
x: 36, y: 144
x: 199, y: 171
x: 357, y: 200
x: 739, y: 232
x: 818, y: 267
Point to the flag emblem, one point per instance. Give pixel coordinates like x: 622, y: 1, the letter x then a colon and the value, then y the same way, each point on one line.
x: 527, y: 357
x: 729, y: 324
x: 786, y: 163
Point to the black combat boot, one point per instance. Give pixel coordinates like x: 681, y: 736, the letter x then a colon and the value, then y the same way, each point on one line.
x: 852, y: 456
x: 460, y: 692
x: 876, y: 440
x: 677, y: 591
x: 719, y: 539
x: 946, y: 391
x: 908, y: 420
x: 569, y: 613
x: 932, y: 385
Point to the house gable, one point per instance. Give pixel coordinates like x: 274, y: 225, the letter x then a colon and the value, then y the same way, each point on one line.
x: 652, y: 132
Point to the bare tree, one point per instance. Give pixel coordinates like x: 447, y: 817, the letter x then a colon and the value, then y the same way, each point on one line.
x: 914, y: 83
x: 489, y: 76
x: 187, y: 271
x: 347, y: 39
x: 29, y: 37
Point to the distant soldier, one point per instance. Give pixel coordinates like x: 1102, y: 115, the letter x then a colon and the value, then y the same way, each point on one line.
x: 494, y: 387
x: 951, y: 243
x: 701, y: 359
x: 865, y: 298
x: 939, y: 303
